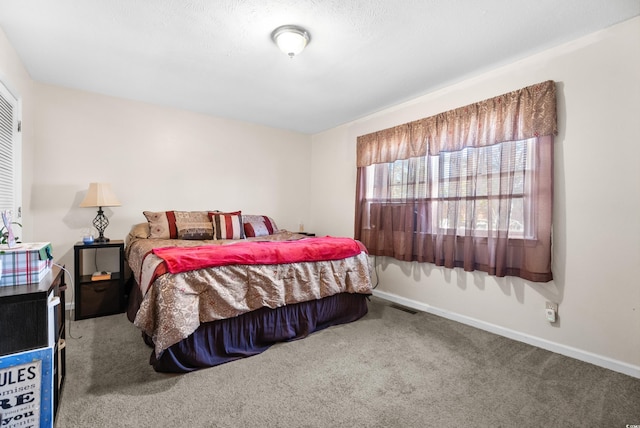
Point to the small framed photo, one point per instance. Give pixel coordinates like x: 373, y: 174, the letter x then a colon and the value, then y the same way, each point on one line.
x: 26, y: 389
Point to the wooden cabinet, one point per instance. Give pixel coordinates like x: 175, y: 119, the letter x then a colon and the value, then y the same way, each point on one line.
x: 27, y: 322
x: 97, y: 297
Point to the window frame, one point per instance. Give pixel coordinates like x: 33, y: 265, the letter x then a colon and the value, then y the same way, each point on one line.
x: 12, y: 129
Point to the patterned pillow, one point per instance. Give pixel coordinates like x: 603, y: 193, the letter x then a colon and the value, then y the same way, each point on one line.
x: 179, y: 224
x: 227, y: 225
x: 258, y: 225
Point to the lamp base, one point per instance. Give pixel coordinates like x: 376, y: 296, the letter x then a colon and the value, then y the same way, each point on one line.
x: 100, y: 223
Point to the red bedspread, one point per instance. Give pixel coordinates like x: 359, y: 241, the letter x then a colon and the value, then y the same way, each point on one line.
x: 180, y: 259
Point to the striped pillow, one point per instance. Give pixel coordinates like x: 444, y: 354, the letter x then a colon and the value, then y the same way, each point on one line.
x: 227, y: 225
x: 258, y: 225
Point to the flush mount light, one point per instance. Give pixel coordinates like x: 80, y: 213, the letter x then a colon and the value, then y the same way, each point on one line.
x: 291, y: 39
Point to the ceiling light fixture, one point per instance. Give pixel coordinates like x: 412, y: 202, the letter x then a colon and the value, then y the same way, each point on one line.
x: 291, y: 39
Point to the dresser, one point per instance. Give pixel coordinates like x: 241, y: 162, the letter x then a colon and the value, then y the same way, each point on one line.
x: 28, y: 321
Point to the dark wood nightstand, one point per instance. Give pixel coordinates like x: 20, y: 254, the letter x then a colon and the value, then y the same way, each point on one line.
x: 98, y: 297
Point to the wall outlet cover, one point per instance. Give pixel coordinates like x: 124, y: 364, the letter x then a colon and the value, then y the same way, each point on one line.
x: 550, y: 314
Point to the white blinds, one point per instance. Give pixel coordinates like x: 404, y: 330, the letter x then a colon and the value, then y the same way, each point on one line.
x: 8, y: 128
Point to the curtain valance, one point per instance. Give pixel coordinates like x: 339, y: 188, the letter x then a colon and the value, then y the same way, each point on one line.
x: 518, y: 115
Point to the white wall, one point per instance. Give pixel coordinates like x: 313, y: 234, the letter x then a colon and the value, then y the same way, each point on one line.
x: 597, y: 199
x: 156, y: 159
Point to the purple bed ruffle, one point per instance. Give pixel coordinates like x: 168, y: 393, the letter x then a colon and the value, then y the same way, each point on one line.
x: 218, y: 342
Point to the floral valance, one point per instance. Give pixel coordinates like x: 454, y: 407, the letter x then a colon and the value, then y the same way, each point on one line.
x: 517, y: 115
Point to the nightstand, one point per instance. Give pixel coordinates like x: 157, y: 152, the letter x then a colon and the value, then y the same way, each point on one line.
x: 104, y: 295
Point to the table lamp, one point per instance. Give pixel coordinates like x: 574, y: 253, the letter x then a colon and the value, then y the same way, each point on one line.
x: 100, y: 195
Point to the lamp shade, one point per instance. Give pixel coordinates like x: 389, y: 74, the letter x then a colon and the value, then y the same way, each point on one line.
x: 291, y: 39
x: 100, y: 195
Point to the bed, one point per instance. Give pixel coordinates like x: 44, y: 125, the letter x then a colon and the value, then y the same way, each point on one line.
x: 209, y: 287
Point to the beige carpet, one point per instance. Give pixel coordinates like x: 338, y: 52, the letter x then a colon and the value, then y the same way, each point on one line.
x: 389, y: 369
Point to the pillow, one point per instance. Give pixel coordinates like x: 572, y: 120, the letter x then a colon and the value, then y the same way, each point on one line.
x: 227, y: 225
x: 179, y: 224
x: 258, y: 225
x: 140, y: 230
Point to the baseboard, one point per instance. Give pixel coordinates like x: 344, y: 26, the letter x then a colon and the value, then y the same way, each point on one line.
x: 578, y: 354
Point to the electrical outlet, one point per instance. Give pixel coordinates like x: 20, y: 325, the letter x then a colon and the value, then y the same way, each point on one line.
x: 551, y: 311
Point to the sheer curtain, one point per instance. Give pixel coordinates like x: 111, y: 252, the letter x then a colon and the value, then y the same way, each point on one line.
x: 470, y: 188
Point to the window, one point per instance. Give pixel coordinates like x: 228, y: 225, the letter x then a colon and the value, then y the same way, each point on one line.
x: 476, y: 176
x: 469, y: 188
x: 10, y: 153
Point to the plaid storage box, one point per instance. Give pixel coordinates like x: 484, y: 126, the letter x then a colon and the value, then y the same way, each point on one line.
x: 28, y: 263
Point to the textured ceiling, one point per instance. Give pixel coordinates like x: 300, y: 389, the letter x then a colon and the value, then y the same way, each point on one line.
x: 216, y: 57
